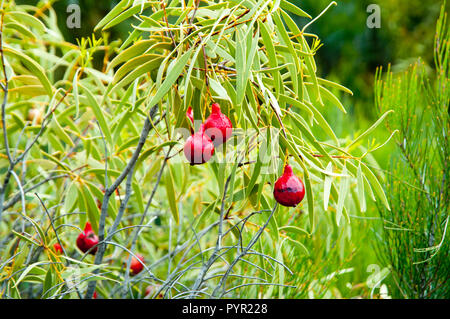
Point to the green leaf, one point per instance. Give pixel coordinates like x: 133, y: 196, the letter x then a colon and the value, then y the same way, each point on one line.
x: 70, y: 198
x: 308, y: 134
x: 170, y: 191
x: 75, y: 93
x: 343, y: 191
x: 20, y: 28
x: 309, y: 195
x: 135, y: 50
x: 255, y: 175
x: 138, y: 196
x: 286, y: 5
x: 121, y: 6
x: 98, y: 114
x: 375, y: 184
x: 137, y: 69
x: 318, y: 117
x: 33, y: 66
x: 335, y: 85
x: 370, y: 129
x: 59, y: 131
x: 307, y: 180
x: 135, y: 66
x: 92, y: 209
x: 299, y: 246
x: 100, y: 173
x: 30, y: 240
x: 241, y: 81
x: 48, y: 282
x: 294, y: 230
x: 27, y: 19
x: 145, y: 154
x: 55, y: 160
x: 26, y: 271
x: 124, y: 13
x: 361, y: 195
x: 311, y: 69
x: 332, y: 98
x: 282, y: 33
x: 327, y: 186
x: 219, y: 89
x: 288, y: 100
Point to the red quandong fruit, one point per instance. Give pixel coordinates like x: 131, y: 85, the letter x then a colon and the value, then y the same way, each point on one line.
x: 87, y: 239
x: 58, y: 249
x: 289, y: 189
x: 218, y: 126
x: 198, y: 148
x: 135, y: 266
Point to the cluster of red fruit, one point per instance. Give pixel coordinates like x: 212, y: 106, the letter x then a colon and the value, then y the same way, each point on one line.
x: 217, y: 128
x: 87, y: 241
x: 199, y: 148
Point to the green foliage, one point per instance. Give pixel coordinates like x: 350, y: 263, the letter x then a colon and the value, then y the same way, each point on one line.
x: 417, y: 242
x: 107, y: 150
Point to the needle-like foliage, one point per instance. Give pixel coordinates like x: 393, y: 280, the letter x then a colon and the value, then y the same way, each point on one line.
x: 417, y: 236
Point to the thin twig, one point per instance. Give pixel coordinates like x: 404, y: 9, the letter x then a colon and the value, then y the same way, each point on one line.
x: 110, y: 190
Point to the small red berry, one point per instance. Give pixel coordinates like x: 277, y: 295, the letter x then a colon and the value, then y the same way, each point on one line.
x: 87, y: 239
x: 58, y: 249
x: 289, y: 189
x: 198, y: 148
x: 136, y: 266
x: 94, y: 296
x: 218, y: 126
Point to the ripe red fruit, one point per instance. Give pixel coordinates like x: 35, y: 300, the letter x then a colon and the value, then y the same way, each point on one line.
x: 218, y: 126
x: 289, y: 189
x: 94, y: 296
x: 135, y: 266
x: 87, y: 239
x: 198, y: 148
x: 58, y: 249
